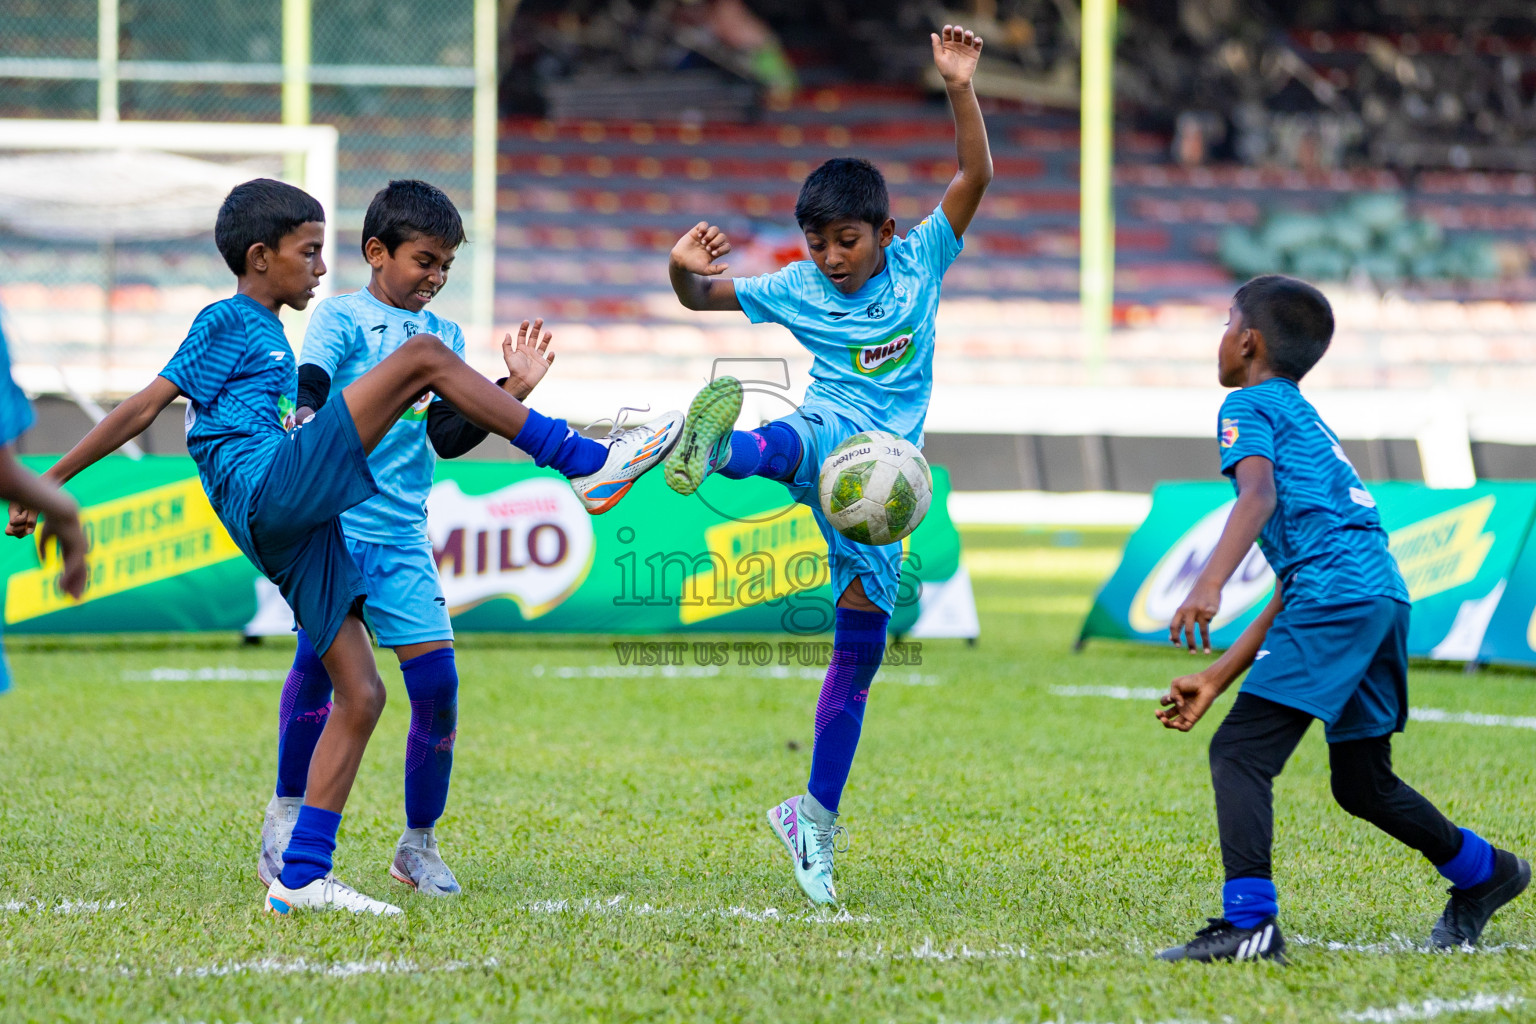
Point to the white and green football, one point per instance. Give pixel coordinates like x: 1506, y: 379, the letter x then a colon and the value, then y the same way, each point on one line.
x: 875, y: 487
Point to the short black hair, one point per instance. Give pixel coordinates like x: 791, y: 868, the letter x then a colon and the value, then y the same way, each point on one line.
x: 1293, y: 316
x: 406, y: 209
x: 261, y: 210
x: 844, y: 188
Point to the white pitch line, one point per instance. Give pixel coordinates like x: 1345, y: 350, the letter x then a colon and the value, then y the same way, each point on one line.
x: 1148, y: 693
x: 1432, y: 1007
x: 1112, y: 692
x: 1399, y: 944
x: 714, y: 672
x: 206, y: 674
x: 62, y: 906
x: 1470, y: 718
x: 620, y: 905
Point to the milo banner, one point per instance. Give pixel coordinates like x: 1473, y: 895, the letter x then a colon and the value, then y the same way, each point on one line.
x: 1457, y: 550
x: 515, y: 550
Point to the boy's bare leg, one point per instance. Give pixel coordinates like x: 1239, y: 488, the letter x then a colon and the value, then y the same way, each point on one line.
x: 379, y: 397
x: 356, y: 705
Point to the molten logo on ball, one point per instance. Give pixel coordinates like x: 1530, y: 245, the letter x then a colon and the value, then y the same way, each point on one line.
x: 875, y: 488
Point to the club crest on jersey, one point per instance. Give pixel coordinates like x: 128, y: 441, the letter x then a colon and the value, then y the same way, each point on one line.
x: 1228, y: 433
x: 885, y: 355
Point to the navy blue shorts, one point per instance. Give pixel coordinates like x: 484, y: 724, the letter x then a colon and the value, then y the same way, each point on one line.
x: 1344, y: 663
x: 319, y: 472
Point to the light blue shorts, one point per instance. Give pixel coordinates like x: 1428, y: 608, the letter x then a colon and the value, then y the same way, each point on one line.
x: 821, y: 430
x: 405, y: 597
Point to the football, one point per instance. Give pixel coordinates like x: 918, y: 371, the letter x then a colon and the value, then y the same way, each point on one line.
x: 875, y: 487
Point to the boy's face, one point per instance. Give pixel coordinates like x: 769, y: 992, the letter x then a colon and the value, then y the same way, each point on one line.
x: 849, y: 252
x: 413, y: 275
x: 1233, y: 354
x: 293, y: 270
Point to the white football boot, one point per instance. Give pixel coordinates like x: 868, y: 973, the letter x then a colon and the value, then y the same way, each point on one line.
x: 328, y: 893
x: 631, y: 454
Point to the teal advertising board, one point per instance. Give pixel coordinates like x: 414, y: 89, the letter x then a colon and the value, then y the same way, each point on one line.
x: 1457, y: 550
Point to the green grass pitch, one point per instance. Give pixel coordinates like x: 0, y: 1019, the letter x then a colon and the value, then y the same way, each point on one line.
x: 1020, y: 850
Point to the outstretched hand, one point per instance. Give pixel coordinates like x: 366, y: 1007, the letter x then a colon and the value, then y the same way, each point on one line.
x: 528, y: 358
x: 697, y: 251
x: 1187, y: 700
x: 955, y: 53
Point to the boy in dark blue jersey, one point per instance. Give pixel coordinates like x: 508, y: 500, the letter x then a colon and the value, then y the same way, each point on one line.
x: 1331, y: 644
x: 279, y: 487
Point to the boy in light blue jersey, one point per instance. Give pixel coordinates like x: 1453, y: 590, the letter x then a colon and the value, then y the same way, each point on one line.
x: 1331, y: 644
x: 410, y: 235
x: 864, y: 304
x: 279, y: 483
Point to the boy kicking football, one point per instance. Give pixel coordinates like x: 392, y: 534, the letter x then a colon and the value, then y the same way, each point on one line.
x: 1330, y: 644
x: 864, y: 305
x: 280, y: 486
x: 410, y: 235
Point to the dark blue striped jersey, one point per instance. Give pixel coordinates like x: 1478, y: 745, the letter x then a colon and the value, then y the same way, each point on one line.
x: 240, y: 377
x: 1324, y: 540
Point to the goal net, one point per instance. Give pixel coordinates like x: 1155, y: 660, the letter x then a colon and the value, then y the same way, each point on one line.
x: 106, y: 238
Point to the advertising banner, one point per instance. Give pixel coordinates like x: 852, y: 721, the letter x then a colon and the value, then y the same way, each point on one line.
x: 1456, y: 549
x: 1510, y: 637
x: 515, y: 549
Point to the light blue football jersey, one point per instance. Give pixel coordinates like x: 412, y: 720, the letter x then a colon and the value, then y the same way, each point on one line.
x: 1324, y: 540
x: 873, y: 350
x: 349, y: 335
x: 237, y: 370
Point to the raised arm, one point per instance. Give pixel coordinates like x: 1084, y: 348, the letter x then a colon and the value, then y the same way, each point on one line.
x: 116, y: 429
x: 1255, y: 477
x: 696, y: 274
x: 955, y: 53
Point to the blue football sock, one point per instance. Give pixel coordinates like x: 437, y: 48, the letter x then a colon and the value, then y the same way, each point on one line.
x: 858, y: 645
x: 554, y: 443
x: 308, y: 856
x: 1473, y: 863
x: 772, y: 451
x: 1247, y: 901
x: 432, y: 683
x: 302, y: 711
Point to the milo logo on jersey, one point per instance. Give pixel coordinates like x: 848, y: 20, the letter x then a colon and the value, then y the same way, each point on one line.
x: 890, y: 353
x: 418, y: 410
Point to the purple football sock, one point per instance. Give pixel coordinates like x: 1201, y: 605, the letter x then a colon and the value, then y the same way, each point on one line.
x: 858, y: 645
x: 432, y: 683
x: 302, y: 711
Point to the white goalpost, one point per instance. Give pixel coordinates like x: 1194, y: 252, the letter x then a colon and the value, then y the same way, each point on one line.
x: 77, y: 195
x: 316, y: 143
